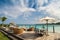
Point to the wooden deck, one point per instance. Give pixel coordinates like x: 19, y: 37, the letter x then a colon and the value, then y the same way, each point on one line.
x: 10, y: 35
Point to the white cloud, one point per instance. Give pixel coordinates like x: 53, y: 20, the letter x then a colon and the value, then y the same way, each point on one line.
x: 41, y: 2
x: 20, y: 8
x: 26, y: 15
x: 53, y: 8
x: 17, y: 9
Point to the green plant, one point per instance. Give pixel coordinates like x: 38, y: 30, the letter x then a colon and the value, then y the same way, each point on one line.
x: 3, y: 19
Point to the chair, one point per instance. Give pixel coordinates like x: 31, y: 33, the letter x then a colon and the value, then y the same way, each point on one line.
x: 30, y: 29
x: 18, y: 31
x: 41, y: 32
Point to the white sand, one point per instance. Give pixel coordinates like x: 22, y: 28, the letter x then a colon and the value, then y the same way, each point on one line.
x: 52, y: 36
x: 32, y: 36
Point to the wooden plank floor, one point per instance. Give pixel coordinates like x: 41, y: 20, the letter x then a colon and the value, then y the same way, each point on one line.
x: 11, y: 36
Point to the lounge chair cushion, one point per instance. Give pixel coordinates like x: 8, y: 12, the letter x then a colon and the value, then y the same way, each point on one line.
x: 18, y: 31
x: 31, y: 29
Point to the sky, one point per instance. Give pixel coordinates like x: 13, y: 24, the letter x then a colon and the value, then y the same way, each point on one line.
x: 29, y: 11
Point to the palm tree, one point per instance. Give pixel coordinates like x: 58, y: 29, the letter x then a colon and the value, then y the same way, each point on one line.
x: 3, y: 19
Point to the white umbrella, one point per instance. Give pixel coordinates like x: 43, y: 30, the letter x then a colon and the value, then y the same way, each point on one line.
x: 47, y: 19
x: 12, y: 24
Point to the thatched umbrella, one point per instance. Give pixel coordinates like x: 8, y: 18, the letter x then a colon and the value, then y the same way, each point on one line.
x: 47, y: 19
x: 12, y: 24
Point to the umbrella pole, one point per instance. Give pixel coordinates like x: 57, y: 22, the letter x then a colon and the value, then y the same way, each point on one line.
x: 47, y: 27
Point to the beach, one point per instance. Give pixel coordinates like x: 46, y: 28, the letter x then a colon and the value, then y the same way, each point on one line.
x: 30, y: 19
x: 52, y: 36
x: 32, y: 36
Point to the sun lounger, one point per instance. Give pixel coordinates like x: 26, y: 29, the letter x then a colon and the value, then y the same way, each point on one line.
x: 18, y: 31
x: 40, y: 32
x: 30, y: 29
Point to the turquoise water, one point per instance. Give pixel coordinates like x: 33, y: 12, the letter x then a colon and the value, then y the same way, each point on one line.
x: 50, y: 27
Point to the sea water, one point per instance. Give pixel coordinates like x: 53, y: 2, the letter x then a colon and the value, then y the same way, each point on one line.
x: 50, y: 27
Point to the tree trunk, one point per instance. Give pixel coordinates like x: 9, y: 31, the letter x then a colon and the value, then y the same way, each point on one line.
x: 2, y: 24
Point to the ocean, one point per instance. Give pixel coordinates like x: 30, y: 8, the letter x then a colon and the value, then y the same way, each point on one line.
x: 50, y: 27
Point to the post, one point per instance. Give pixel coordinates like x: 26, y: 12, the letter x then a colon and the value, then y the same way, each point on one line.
x: 53, y: 29
x: 47, y: 27
x: 47, y: 24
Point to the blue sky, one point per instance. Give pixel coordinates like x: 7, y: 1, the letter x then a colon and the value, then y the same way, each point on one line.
x: 29, y: 11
